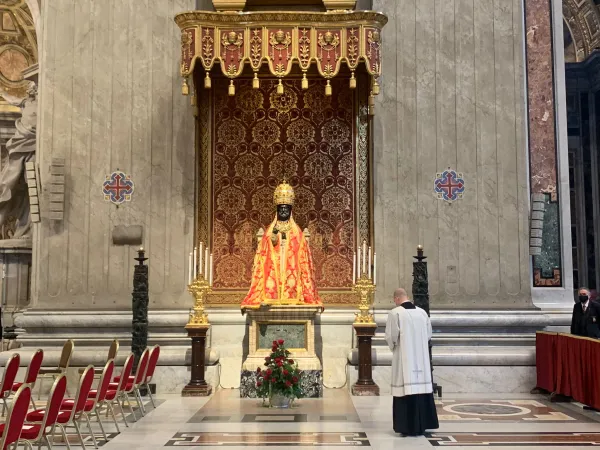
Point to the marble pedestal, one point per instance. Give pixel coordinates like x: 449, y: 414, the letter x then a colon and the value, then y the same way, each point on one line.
x: 295, y: 324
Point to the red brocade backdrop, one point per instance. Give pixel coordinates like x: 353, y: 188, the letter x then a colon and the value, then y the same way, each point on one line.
x: 260, y: 138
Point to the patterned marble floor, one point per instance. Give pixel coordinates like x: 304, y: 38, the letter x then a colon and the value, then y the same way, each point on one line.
x: 339, y: 420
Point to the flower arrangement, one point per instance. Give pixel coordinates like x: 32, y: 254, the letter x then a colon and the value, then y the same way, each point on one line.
x: 281, y: 378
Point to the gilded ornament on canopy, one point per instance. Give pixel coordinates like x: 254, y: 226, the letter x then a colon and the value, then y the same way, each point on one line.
x: 281, y: 40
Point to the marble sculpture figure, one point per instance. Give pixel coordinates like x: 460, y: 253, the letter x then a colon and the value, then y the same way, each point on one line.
x: 14, y: 199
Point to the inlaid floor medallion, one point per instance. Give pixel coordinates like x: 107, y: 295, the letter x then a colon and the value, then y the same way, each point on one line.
x: 528, y: 410
x: 513, y: 439
x: 250, y: 439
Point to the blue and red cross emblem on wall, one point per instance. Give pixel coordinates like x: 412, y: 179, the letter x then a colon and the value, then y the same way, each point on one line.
x: 118, y: 187
x: 449, y: 185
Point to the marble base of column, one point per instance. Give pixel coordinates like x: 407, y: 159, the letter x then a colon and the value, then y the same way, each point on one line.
x: 365, y: 386
x: 197, y: 387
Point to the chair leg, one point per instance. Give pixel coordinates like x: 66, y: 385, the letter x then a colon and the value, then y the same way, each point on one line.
x: 122, y: 413
x: 40, y: 387
x: 4, y: 407
x: 131, y: 407
x: 64, y: 433
x: 79, y: 433
x: 138, y: 399
x: 48, y: 442
x: 87, y: 418
x: 33, y: 403
x: 150, y: 395
x: 112, y: 411
x: 101, y: 426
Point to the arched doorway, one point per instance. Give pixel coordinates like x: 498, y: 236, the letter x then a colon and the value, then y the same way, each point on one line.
x: 581, y: 28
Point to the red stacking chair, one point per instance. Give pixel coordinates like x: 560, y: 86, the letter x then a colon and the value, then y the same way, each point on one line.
x: 10, y: 432
x: 76, y: 413
x: 112, y: 354
x: 90, y: 406
x: 32, y: 372
x: 152, y: 362
x: 113, y: 395
x: 8, y: 378
x: 46, y: 419
x: 129, y: 386
x: 63, y: 365
x: 125, y: 386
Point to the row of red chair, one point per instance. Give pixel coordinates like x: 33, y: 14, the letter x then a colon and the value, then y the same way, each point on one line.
x: 36, y: 426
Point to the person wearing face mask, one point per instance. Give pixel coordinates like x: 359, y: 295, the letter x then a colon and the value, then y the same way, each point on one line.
x: 586, y: 316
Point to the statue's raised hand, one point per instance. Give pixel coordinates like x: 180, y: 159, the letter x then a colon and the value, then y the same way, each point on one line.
x: 274, y: 236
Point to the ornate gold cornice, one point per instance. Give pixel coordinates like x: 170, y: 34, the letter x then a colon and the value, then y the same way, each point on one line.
x: 281, y: 41
x: 300, y: 18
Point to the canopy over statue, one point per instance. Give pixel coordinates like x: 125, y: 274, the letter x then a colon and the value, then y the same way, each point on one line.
x: 283, y: 271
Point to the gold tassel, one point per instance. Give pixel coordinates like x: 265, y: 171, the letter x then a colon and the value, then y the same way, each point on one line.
x: 375, y: 87
x: 371, y: 104
x: 255, y: 81
x: 207, y: 82
x: 185, y: 89
x: 280, y: 87
x: 304, y: 81
x: 352, y: 81
x: 328, y: 89
x: 231, y: 89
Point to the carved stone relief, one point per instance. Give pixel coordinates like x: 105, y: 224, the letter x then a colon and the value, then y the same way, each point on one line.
x: 582, y: 29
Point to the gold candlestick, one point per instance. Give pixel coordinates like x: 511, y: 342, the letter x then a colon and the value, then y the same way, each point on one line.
x: 365, y: 289
x: 199, y: 290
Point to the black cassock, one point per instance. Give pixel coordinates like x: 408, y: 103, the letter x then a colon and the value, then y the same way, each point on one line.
x: 413, y: 414
x: 586, y: 323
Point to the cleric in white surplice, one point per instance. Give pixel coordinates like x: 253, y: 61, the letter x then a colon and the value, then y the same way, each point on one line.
x: 407, y: 332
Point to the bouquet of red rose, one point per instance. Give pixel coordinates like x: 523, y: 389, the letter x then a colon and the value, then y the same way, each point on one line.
x: 281, y: 376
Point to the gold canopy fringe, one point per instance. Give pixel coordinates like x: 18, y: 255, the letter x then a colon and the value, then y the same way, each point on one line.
x: 304, y: 81
x: 352, y: 81
x: 375, y: 86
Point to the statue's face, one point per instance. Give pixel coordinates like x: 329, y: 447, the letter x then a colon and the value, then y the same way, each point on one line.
x: 284, y: 212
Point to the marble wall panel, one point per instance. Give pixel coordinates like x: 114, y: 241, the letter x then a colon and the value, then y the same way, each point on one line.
x: 453, y: 96
x: 110, y: 98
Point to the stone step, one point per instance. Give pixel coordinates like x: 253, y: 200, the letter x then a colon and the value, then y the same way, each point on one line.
x: 461, y: 356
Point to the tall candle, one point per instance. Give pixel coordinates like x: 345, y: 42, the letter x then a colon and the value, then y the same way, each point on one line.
x: 369, y: 264
x: 211, y: 270
x: 354, y: 268
x: 200, y: 255
x: 364, y: 261
x: 206, y: 261
x: 194, y: 266
x: 374, y: 268
x: 190, y: 267
x: 358, y: 264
